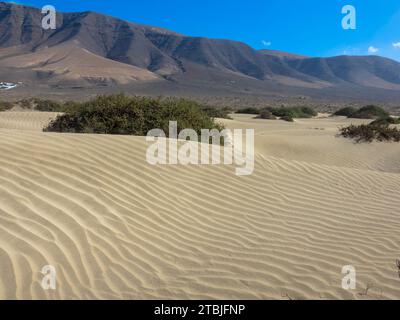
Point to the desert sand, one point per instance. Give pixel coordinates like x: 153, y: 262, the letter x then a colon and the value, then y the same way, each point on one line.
x: 116, y: 227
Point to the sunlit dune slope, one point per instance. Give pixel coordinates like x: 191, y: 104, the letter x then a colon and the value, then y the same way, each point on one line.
x: 116, y: 227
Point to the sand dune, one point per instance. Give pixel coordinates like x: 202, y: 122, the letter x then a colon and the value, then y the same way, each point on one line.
x: 31, y: 121
x: 315, y: 141
x: 116, y: 227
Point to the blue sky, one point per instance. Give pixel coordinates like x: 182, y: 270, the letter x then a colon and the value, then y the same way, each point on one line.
x: 309, y: 27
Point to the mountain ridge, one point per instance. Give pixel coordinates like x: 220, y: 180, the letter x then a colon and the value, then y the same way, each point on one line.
x: 126, y: 53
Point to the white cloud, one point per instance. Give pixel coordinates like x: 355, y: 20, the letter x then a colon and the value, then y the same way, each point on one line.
x: 372, y: 49
x: 266, y: 43
x: 396, y: 45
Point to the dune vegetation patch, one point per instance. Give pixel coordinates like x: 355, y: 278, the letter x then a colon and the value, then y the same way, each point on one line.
x: 346, y: 112
x: 44, y: 105
x: 294, y: 112
x: 386, y: 121
x: 371, y: 132
x: 283, y: 113
x: 216, y: 112
x: 366, y: 112
x: 382, y: 128
x: 266, y: 114
x: 370, y: 112
x: 248, y: 110
x: 4, y: 105
x: 124, y: 115
x: 52, y: 106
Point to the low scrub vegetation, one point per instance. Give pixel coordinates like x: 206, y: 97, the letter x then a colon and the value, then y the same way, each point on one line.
x: 249, y: 110
x: 371, y: 132
x: 345, y: 112
x: 120, y: 114
x: 50, y: 105
x: 386, y: 121
x: 367, y: 112
x: 5, y: 105
x: 287, y: 118
x: 44, y: 105
x: 215, y: 112
x: 26, y: 103
x: 370, y: 112
x: 284, y: 113
x: 266, y: 114
x: 293, y: 112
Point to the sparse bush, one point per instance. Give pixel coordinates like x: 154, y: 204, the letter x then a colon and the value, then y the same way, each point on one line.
x: 266, y: 114
x: 370, y: 112
x: 4, y: 105
x: 285, y: 113
x: 215, y: 112
x: 346, y: 112
x: 293, y: 112
x: 26, y: 103
x: 45, y: 105
x: 386, y: 121
x: 249, y: 110
x: 120, y: 114
x: 371, y: 132
x: 49, y: 105
x: 287, y: 118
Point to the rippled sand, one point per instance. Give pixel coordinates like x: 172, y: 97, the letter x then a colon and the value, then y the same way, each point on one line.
x: 116, y: 227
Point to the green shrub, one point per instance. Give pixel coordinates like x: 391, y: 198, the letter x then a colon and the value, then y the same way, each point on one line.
x: 249, y: 110
x: 49, y: 105
x: 120, y: 114
x: 370, y: 112
x: 45, y: 105
x: 370, y: 132
x: 386, y: 121
x: 215, y: 112
x: 287, y: 118
x: 281, y: 112
x: 4, y: 105
x: 293, y: 112
x: 346, y: 112
x: 25, y: 103
x: 266, y: 114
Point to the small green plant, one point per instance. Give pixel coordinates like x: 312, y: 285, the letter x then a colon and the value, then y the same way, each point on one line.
x: 370, y: 112
x: 386, y: 121
x: 285, y: 113
x: 287, y: 118
x: 4, y: 105
x: 293, y: 112
x: 249, y: 110
x: 26, y: 103
x: 370, y: 133
x: 216, y: 112
x: 266, y: 114
x: 49, y: 105
x: 346, y: 112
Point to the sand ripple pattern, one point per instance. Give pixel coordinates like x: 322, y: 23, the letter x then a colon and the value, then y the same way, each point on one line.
x: 115, y: 227
x: 33, y: 121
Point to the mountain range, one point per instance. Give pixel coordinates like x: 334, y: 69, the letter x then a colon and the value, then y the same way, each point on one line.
x: 92, y: 51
